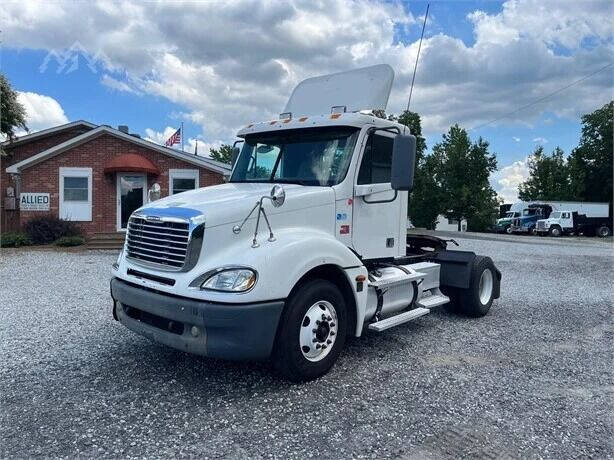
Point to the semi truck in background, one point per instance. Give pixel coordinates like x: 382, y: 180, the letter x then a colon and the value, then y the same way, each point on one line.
x: 587, y: 219
x: 507, y: 213
x: 329, y: 182
x: 541, y: 210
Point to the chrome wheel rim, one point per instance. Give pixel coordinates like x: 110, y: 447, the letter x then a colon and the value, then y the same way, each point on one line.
x: 318, y: 331
x: 508, y: 230
x: 486, y: 286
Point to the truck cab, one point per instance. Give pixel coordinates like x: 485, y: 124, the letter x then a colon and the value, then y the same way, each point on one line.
x: 504, y: 224
x: 305, y: 245
x: 527, y: 221
x: 557, y: 224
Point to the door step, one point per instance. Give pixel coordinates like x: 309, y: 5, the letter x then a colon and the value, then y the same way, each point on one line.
x: 433, y: 301
x: 395, y: 320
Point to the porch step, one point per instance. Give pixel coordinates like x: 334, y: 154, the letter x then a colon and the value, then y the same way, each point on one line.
x: 111, y: 241
x: 395, y: 320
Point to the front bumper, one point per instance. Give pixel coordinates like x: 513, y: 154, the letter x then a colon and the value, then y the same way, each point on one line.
x: 227, y: 331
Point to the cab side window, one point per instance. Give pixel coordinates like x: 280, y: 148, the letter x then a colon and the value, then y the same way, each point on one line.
x: 565, y: 215
x: 376, y: 161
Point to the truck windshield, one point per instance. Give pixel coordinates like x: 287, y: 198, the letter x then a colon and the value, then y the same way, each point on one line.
x: 308, y: 156
x: 555, y: 215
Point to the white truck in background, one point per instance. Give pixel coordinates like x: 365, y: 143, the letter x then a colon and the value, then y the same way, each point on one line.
x: 328, y: 182
x: 577, y: 218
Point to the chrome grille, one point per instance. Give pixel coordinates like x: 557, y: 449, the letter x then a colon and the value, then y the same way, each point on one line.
x: 541, y: 224
x: 160, y: 241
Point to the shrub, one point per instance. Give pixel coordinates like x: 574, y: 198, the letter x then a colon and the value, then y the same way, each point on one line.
x: 67, y: 241
x: 45, y: 230
x: 14, y: 240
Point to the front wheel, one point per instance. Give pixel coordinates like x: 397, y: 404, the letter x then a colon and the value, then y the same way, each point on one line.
x: 508, y: 229
x: 312, y: 332
x: 555, y: 231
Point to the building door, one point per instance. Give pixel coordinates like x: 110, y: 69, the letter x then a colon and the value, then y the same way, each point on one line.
x: 76, y: 194
x: 131, y: 195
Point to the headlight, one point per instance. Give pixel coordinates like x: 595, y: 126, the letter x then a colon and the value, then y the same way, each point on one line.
x: 235, y: 279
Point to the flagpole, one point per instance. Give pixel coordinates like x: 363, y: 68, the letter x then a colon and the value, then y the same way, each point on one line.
x: 182, y: 136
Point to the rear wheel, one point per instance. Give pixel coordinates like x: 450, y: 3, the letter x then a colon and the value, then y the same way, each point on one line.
x: 603, y: 231
x: 312, y: 332
x: 477, y: 299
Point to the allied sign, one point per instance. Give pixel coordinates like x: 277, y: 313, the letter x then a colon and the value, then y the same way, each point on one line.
x: 34, y: 201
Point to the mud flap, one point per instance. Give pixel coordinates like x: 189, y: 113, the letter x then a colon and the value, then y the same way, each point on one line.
x: 455, y: 270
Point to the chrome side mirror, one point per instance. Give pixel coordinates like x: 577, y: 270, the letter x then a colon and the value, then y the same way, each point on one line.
x: 278, y: 195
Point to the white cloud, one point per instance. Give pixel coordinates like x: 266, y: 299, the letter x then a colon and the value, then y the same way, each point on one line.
x: 118, y: 85
x: 516, y: 139
x: 42, y: 111
x: 231, y: 63
x: 540, y: 140
x: 506, y: 180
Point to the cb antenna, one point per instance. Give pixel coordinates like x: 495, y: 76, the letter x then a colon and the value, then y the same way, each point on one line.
x: 411, y: 89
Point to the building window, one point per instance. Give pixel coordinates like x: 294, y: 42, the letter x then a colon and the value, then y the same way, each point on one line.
x: 75, y: 188
x: 181, y: 180
x: 376, y: 161
x: 452, y: 222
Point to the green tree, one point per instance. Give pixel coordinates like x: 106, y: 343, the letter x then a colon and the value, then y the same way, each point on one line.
x: 548, y: 177
x: 12, y: 113
x: 223, y: 154
x: 462, y: 170
x: 590, y: 164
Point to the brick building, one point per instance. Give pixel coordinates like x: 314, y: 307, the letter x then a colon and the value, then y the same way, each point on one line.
x: 93, y: 175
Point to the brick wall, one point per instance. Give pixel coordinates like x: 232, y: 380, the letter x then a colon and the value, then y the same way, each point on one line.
x: 44, y: 178
x: 9, y: 220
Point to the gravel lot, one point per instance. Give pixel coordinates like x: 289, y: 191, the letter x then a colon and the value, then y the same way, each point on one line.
x: 532, y: 379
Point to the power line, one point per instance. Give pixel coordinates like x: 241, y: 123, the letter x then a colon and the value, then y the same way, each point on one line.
x: 411, y: 89
x: 537, y: 101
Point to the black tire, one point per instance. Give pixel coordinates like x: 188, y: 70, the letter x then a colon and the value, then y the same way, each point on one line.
x: 555, y: 231
x: 508, y: 230
x: 532, y: 231
x: 469, y: 299
x: 603, y: 231
x: 288, y: 359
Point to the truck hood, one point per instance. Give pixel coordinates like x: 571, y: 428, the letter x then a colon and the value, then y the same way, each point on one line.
x: 231, y: 202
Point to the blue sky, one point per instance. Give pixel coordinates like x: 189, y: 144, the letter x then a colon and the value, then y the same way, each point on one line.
x: 216, y: 69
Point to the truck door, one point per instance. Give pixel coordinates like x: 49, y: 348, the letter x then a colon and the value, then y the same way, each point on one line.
x: 376, y: 231
x: 566, y: 221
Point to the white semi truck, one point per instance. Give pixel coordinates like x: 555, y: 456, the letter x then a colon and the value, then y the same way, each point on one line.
x: 304, y: 246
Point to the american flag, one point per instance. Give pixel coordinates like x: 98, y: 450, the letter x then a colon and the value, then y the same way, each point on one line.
x: 174, y: 139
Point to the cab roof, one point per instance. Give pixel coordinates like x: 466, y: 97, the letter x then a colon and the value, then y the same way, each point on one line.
x: 355, y: 119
